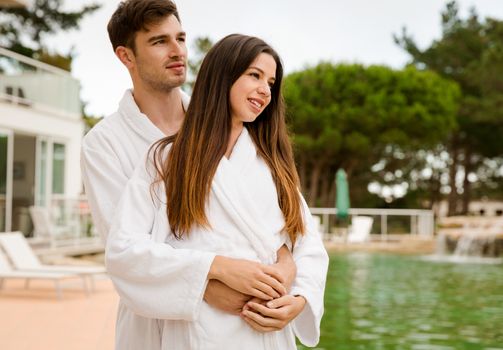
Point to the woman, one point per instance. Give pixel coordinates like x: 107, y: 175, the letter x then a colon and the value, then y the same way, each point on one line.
x: 224, y: 193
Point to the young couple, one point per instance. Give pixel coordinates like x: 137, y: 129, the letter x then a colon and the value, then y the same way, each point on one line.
x: 209, y: 242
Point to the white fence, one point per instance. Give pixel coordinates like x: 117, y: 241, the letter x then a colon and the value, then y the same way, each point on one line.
x: 72, y: 213
x: 75, y: 212
x: 421, y: 221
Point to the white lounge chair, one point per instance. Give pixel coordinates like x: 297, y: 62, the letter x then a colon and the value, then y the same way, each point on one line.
x: 359, y: 231
x: 24, y: 259
x: 44, y: 231
x: 7, y: 272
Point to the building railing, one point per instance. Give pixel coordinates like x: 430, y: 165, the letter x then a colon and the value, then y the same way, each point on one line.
x: 33, y: 84
x: 75, y: 213
x: 412, y: 221
x: 72, y: 215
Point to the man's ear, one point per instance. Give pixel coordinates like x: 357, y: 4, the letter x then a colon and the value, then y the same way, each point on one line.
x: 126, y: 56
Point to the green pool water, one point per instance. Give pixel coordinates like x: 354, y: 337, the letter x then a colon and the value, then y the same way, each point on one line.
x: 400, y: 302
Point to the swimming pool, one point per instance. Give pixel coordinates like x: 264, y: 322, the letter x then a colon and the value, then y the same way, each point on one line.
x: 401, y: 302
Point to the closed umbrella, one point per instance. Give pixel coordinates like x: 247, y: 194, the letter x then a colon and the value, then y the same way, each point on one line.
x: 342, y: 194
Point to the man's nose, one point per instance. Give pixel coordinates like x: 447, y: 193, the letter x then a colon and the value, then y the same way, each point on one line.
x: 177, y: 49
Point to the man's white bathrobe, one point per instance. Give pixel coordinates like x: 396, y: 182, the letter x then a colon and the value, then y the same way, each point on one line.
x: 110, y: 153
x: 246, y: 223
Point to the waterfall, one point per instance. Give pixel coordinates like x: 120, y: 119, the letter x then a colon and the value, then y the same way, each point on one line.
x: 469, y: 248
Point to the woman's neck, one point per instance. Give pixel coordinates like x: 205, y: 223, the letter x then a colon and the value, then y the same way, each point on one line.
x: 237, y: 128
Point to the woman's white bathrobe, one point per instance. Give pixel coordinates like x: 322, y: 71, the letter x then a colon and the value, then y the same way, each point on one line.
x: 245, y: 223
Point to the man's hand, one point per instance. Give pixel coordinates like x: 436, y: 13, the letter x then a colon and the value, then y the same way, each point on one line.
x: 224, y: 298
x: 274, y: 315
x: 286, y: 266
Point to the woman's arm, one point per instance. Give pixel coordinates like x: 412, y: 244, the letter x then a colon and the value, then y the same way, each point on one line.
x: 229, y: 300
x: 304, y: 306
x: 157, y: 281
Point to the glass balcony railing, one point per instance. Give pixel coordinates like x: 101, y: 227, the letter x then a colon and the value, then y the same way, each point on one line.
x: 37, y: 85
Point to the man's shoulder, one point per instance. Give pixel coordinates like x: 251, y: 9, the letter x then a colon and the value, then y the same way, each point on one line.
x: 104, y: 130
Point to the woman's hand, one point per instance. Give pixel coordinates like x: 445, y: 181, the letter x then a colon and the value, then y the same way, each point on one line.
x: 248, y: 277
x: 274, y: 315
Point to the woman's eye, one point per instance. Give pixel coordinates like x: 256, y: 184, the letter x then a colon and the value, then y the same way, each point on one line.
x: 255, y: 75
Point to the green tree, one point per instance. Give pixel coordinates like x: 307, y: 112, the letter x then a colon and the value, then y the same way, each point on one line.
x: 352, y: 117
x: 23, y: 30
x: 201, y: 47
x: 470, y: 52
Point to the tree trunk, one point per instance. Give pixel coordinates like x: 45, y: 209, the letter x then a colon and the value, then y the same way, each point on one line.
x: 331, y: 194
x: 325, y: 186
x: 434, y: 190
x: 467, y: 185
x: 302, y: 173
x: 453, y: 169
x: 314, y: 183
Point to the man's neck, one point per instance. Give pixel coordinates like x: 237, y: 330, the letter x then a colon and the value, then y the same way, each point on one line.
x: 164, y: 109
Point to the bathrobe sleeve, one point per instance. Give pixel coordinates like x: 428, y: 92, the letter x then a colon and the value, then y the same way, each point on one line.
x: 152, y: 278
x: 104, y: 179
x: 311, y: 260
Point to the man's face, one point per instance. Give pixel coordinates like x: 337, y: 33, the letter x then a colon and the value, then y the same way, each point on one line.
x: 161, y: 55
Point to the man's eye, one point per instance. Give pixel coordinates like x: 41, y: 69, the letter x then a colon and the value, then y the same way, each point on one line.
x: 157, y: 42
x: 182, y: 40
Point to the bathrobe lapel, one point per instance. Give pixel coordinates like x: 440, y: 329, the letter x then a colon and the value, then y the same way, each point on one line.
x: 233, y: 194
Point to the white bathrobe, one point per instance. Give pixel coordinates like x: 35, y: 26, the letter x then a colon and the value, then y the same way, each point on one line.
x: 246, y: 222
x: 110, y: 153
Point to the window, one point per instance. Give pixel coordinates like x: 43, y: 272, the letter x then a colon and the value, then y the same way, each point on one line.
x: 58, y: 168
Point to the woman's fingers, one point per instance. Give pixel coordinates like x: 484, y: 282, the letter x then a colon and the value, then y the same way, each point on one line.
x: 259, y: 294
x: 274, y: 283
x: 273, y: 272
x: 263, y: 321
x: 279, y: 302
x: 264, y: 310
x: 258, y: 327
x: 267, y: 289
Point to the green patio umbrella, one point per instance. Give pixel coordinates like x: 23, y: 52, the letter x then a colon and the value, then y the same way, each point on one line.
x: 342, y: 194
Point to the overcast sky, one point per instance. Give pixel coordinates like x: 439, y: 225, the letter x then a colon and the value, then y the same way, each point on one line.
x: 303, y: 33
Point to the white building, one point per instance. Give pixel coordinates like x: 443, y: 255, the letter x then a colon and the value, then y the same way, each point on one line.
x: 40, y: 136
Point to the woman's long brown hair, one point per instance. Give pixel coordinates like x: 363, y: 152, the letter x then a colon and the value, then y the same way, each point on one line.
x: 188, y: 169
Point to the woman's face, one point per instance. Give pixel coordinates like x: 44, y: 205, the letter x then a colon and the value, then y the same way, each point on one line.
x: 251, y: 93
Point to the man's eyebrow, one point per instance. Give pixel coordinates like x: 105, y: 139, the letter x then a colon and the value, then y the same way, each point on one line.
x: 164, y: 36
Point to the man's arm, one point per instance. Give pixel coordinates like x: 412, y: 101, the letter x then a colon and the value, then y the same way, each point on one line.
x: 286, y: 265
x: 104, y: 180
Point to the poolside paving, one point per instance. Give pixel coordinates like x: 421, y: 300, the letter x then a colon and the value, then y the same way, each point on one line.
x: 34, y: 319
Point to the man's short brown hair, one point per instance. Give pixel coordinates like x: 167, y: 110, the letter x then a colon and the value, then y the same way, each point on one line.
x: 133, y: 16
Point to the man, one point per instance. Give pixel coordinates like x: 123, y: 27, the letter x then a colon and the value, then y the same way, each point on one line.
x: 147, y: 38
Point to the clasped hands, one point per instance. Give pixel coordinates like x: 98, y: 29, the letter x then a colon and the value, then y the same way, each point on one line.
x: 256, y: 292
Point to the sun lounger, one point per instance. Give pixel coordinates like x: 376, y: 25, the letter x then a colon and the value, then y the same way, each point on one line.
x: 359, y: 230
x: 24, y: 259
x: 7, y: 272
